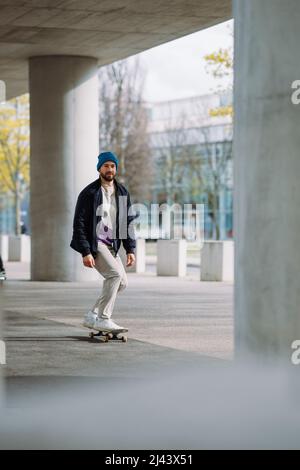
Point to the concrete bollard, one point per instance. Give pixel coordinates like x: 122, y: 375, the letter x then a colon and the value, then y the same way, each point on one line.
x: 217, y: 261
x: 19, y: 248
x: 171, y: 258
x: 4, y: 247
x: 140, y: 257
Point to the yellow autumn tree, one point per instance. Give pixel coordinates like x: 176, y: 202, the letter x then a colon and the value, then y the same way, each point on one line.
x: 221, y: 62
x: 14, y: 152
x: 220, y: 66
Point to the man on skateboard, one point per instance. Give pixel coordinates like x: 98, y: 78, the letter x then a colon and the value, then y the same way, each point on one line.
x: 101, y: 222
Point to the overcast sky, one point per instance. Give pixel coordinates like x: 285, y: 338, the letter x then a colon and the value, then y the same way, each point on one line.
x: 177, y: 69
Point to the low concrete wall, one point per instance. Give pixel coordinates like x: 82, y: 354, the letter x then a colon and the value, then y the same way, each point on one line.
x: 217, y: 261
x: 19, y: 248
x: 171, y: 257
x: 140, y: 256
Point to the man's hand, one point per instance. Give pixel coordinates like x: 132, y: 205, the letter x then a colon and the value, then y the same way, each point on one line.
x: 130, y: 259
x: 88, y: 261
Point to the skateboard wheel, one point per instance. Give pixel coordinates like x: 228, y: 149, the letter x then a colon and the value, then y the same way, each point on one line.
x: 124, y: 339
x: 91, y: 335
x: 106, y: 338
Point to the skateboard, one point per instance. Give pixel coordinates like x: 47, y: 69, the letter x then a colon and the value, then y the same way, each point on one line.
x: 105, y: 336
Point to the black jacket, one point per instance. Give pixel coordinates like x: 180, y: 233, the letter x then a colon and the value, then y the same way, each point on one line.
x: 84, y: 238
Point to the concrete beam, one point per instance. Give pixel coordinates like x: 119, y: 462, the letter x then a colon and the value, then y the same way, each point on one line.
x: 108, y: 30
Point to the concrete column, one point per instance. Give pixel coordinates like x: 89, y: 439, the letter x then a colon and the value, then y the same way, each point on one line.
x: 267, y: 178
x: 64, y: 149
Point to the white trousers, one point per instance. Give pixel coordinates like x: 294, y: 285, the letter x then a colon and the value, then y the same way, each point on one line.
x: 111, y: 268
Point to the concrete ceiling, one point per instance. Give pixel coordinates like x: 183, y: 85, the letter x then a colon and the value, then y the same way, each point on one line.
x: 106, y: 29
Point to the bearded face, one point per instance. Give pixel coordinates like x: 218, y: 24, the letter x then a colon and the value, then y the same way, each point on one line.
x: 108, y: 171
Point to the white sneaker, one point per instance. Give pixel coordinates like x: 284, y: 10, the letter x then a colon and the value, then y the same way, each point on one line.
x: 89, y: 319
x: 107, y: 325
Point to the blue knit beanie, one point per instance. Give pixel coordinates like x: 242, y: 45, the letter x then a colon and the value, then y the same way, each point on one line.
x: 107, y: 157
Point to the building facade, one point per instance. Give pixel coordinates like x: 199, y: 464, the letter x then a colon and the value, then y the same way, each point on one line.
x: 191, y: 143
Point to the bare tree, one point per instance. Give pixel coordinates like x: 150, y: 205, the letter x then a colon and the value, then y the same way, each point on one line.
x: 193, y: 159
x: 213, y: 138
x: 123, y: 124
x: 178, y: 168
x: 217, y: 173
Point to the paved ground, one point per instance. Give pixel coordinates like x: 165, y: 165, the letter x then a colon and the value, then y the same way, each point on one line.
x: 172, y: 322
x: 172, y: 386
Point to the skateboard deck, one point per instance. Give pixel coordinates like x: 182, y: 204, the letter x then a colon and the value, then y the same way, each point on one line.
x: 115, y: 335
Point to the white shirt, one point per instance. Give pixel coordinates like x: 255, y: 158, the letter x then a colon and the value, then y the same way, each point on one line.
x: 107, y: 226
